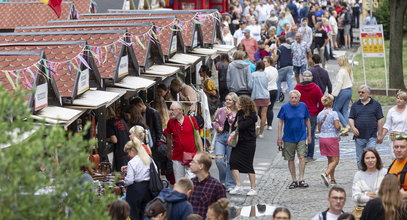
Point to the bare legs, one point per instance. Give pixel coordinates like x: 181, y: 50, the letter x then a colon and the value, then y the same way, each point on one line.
x: 263, y: 117
x: 301, y: 168
x: 252, y: 178
x: 332, y: 163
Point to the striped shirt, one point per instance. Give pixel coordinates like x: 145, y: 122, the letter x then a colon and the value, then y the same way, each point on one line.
x: 205, y: 193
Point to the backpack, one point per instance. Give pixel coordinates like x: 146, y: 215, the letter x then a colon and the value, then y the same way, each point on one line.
x: 167, y: 205
x: 155, y: 185
x: 324, y: 214
x: 402, y: 173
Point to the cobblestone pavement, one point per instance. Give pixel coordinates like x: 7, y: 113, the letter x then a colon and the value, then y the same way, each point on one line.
x: 304, y: 203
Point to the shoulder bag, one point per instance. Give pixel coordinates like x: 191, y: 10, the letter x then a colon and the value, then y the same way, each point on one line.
x: 155, y: 185
x: 187, y: 157
x: 233, y: 137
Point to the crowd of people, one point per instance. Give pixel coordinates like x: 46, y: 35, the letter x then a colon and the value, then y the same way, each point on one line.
x: 277, y: 42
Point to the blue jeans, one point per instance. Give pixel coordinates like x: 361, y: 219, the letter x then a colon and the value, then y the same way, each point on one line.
x: 361, y: 144
x: 341, y: 105
x: 311, y: 146
x: 284, y: 74
x: 221, y: 148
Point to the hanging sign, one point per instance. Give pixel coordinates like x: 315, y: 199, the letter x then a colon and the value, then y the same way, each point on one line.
x: 41, y: 97
x: 195, y: 40
x: 372, y: 40
x: 173, y: 48
x: 124, y: 66
x: 83, y: 84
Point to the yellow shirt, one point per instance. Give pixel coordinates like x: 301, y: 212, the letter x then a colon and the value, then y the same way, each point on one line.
x: 398, y: 167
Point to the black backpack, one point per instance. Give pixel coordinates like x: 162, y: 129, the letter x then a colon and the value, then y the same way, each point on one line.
x: 402, y: 173
x: 167, y: 205
x: 155, y: 185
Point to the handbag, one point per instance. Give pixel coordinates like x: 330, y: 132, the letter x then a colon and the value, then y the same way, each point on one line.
x: 357, y: 212
x: 155, y: 185
x: 233, y: 138
x: 187, y: 157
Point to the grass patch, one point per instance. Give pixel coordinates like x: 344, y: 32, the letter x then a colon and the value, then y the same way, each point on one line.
x: 375, y: 74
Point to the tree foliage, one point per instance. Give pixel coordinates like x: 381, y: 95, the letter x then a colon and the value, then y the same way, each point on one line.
x: 383, y: 17
x: 58, y: 153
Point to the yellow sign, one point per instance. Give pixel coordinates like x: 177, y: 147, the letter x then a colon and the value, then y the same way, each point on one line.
x: 372, y: 40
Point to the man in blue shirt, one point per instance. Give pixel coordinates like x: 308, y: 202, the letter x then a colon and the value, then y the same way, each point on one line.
x: 295, y: 117
x: 366, y: 120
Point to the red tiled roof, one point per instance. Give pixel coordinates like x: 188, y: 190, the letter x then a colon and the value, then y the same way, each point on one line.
x: 183, y: 16
x: 140, y: 52
x: 14, y: 14
x: 101, y: 39
x: 13, y: 61
x: 164, y: 35
x: 57, y: 52
x: 81, y: 6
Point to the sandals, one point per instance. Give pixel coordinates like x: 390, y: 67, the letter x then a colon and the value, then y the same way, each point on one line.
x: 293, y: 185
x: 325, y: 179
x: 344, y: 132
x: 333, y: 182
x: 302, y: 184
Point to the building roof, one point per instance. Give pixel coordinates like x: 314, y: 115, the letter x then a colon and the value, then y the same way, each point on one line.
x: 143, y: 30
x: 18, y: 61
x: 15, y: 14
x: 99, y: 41
x: 209, y: 17
x: 59, y: 53
x: 164, y: 35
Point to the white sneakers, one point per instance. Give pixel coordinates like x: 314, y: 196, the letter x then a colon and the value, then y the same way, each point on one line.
x: 236, y: 190
x: 269, y: 128
x: 261, y: 136
x: 252, y: 192
x: 239, y: 190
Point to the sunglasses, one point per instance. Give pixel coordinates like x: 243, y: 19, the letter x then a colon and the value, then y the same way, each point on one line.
x: 401, y: 137
x: 361, y: 92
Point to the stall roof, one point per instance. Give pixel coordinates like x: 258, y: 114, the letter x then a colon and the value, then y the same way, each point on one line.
x: 99, y: 41
x: 165, y: 24
x: 223, y: 48
x: 15, y: 14
x: 135, y: 83
x: 56, y: 52
x: 209, y: 23
x: 94, y: 99
x: 104, y: 5
x: 186, y: 18
x: 19, y: 60
x: 58, y: 115
x: 182, y: 58
x: 143, y: 31
x: 161, y: 71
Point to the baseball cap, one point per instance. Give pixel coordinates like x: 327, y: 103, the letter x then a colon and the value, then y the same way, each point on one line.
x: 260, y: 42
x: 246, y: 31
x: 307, y: 74
x: 242, y: 22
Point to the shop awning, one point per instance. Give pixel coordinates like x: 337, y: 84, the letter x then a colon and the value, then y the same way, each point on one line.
x: 135, y: 83
x: 223, y: 48
x: 58, y: 115
x: 204, y: 51
x: 162, y: 71
x: 94, y: 99
x: 182, y: 58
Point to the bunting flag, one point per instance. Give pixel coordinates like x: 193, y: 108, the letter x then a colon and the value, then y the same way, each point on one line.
x: 55, y: 5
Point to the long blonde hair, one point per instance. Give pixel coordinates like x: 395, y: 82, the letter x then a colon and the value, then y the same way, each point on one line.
x: 344, y: 64
x: 141, y: 152
x: 138, y: 131
x: 389, y: 194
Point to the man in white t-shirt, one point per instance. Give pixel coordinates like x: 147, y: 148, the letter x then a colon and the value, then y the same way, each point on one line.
x: 336, y: 200
x: 262, y: 12
x: 238, y: 35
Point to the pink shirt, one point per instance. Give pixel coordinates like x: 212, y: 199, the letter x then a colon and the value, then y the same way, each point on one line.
x: 251, y: 47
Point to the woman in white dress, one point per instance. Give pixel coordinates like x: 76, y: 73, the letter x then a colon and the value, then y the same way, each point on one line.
x: 227, y: 37
x: 396, y: 120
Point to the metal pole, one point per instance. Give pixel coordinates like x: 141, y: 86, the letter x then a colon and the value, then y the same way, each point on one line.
x: 385, y: 65
x: 363, y: 58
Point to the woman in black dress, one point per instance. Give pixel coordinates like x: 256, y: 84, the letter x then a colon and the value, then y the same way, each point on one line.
x: 241, y: 159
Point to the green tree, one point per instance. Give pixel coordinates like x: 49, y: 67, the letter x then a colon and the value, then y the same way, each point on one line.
x: 58, y: 153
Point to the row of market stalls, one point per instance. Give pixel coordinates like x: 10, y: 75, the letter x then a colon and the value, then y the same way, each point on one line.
x: 74, y: 69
